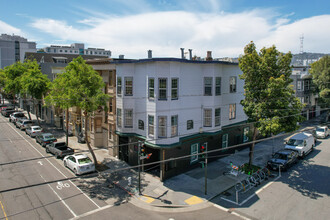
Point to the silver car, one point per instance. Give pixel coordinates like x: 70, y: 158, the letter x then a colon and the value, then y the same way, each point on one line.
x: 33, y: 131
x: 79, y: 164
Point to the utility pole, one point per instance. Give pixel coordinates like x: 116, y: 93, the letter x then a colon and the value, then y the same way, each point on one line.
x: 205, y: 168
x: 139, y: 168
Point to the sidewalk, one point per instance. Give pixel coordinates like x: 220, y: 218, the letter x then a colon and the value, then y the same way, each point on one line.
x: 185, y: 191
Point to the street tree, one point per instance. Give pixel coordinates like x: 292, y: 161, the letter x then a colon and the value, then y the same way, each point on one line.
x: 321, y: 78
x: 81, y: 86
x: 269, y: 98
x: 2, y: 84
x: 12, y: 76
x: 34, y: 83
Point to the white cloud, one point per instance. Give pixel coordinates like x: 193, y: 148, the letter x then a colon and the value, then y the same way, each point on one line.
x: 8, y: 29
x: 225, y: 34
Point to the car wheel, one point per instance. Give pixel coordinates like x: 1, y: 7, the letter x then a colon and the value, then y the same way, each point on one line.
x: 75, y: 171
x: 303, y: 155
x: 65, y: 164
x: 312, y: 148
x: 47, y: 151
x: 57, y: 156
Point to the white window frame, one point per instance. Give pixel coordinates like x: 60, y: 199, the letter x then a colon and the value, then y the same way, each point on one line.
x: 208, y: 81
x: 174, y: 125
x: 299, y: 85
x: 128, y: 86
x: 232, y: 111
x: 162, y: 126
x: 160, y: 90
x: 246, y: 131
x: 151, y: 89
x: 175, y: 89
x: 224, y: 144
x: 194, y: 153
x: 217, y: 118
x: 119, y: 86
x: 118, y: 113
x: 217, y: 86
x: 207, y: 120
x: 232, y: 84
x: 306, y: 85
x: 151, y: 126
x: 128, y: 118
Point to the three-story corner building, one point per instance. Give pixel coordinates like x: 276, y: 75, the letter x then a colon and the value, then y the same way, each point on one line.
x: 176, y: 105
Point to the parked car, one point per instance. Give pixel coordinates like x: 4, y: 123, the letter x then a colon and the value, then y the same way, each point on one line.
x: 5, y: 106
x: 59, y: 149
x: 45, y: 138
x: 15, y: 115
x: 284, y: 158
x: 33, y: 131
x: 304, y: 143
x: 7, y: 111
x: 79, y: 164
x: 322, y: 132
x: 25, y: 123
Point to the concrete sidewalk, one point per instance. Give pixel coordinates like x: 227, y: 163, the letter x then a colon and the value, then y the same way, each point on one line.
x: 185, y: 191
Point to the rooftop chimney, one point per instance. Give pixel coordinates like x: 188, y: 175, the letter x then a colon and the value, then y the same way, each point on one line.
x: 182, y: 53
x: 209, y: 56
x: 149, y: 54
x: 190, y: 54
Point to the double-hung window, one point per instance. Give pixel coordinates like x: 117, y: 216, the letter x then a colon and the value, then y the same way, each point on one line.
x: 174, y: 88
x: 299, y: 83
x: 128, y: 86
x: 162, y: 127
x: 128, y: 118
x: 217, y: 85
x: 174, y: 126
x: 207, y: 117
x: 232, y: 84
x: 151, y: 88
x: 207, y: 86
x: 232, y: 111
x: 118, y: 117
x: 119, y: 85
x: 246, y: 134
x: 162, y: 88
x: 217, y: 117
x: 225, y: 141
x: 151, y: 126
x: 193, y: 153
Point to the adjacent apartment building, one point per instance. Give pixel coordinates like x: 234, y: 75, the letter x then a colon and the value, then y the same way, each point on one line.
x: 77, y: 49
x: 173, y: 106
x: 13, y: 49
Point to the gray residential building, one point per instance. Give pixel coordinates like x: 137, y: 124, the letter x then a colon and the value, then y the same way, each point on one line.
x: 13, y: 49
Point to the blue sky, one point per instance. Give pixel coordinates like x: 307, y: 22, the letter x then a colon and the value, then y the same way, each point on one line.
x: 131, y: 27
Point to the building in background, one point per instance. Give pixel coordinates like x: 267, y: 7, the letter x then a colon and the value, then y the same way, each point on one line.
x: 13, y: 49
x: 76, y: 49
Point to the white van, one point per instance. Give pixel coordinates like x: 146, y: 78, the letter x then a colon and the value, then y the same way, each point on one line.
x: 302, y: 142
x: 322, y: 132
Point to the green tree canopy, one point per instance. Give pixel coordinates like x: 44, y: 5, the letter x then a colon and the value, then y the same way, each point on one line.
x: 321, y: 78
x: 13, y: 75
x: 269, y: 97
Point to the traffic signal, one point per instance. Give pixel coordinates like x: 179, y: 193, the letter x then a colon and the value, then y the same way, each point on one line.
x: 202, y: 150
x: 142, y: 150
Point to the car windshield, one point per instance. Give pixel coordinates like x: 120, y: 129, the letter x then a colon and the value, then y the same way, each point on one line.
x: 49, y: 136
x: 84, y: 160
x: 320, y: 129
x: 294, y: 142
x: 280, y: 156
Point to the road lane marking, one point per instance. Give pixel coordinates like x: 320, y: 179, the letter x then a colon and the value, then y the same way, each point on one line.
x: 64, y: 203
x: 91, y: 212
x: 231, y: 212
x: 60, y: 185
x: 39, y: 162
x: 55, y: 167
x: 3, y: 210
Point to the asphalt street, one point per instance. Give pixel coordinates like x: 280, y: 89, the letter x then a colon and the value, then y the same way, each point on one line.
x: 303, y: 192
x: 58, y: 200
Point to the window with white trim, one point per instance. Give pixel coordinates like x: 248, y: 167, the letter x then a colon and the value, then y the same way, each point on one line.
x: 162, y: 126
x: 162, y: 88
x: 119, y: 85
x: 194, y: 153
x: 217, y: 85
x: 217, y: 117
x: 207, y: 117
x: 151, y: 88
x: 299, y: 85
x: 190, y: 124
x: 141, y: 124
x: 232, y: 111
x: 119, y: 117
x: 151, y: 126
x: 174, y: 88
x: 306, y: 85
x: 224, y: 141
x: 232, y: 84
x: 128, y: 86
x: 207, y: 86
x: 174, y: 125
x: 128, y: 119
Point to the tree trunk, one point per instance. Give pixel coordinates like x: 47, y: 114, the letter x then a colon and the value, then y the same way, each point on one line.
x: 87, y: 141
x: 37, y: 109
x: 67, y: 126
x: 252, y: 146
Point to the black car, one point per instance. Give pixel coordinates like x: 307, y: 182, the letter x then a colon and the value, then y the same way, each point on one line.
x: 7, y: 111
x: 284, y: 158
x: 45, y: 138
